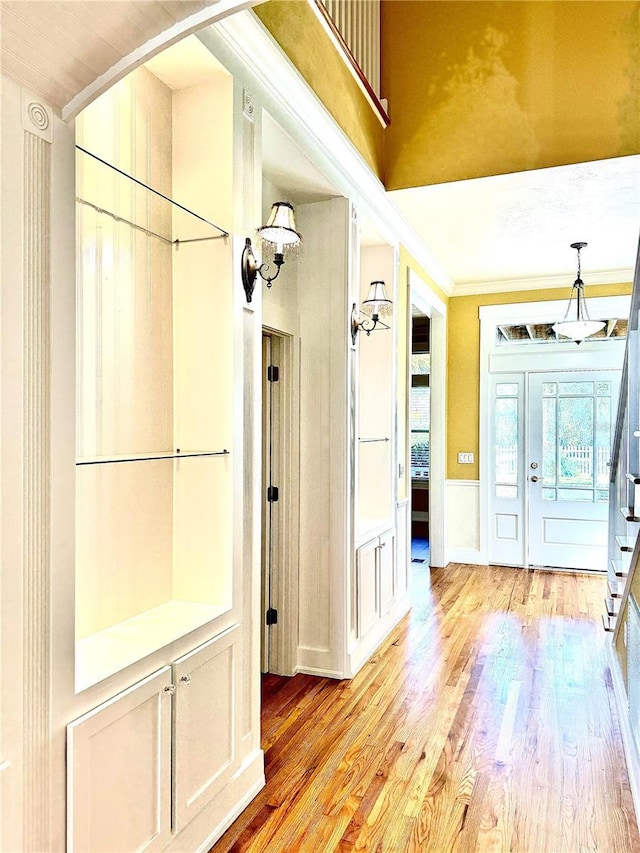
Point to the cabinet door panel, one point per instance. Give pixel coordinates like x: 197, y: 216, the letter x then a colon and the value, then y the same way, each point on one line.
x: 206, y: 730
x: 387, y: 558
x: 119, y: 771
x: 367, y: 587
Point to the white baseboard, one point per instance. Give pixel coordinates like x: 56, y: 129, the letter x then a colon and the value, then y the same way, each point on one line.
x: 321, y: 673
x: 466, y: 555
x: 630, y: 750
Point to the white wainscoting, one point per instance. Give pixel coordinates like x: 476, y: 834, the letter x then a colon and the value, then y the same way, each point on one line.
x: 463, y: 522
x: 630, y: 750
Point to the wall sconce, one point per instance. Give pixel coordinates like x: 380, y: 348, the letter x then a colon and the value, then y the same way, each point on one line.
x: 582, y: 326
x: 375, y: 304
x: 279, y: 230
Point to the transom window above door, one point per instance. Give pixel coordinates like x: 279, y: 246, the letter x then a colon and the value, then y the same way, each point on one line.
x: 542, y: 333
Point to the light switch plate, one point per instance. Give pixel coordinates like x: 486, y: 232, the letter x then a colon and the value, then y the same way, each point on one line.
x: 465, y: 458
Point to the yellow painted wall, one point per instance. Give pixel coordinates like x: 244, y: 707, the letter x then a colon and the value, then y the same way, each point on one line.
x: 486, y: 88
x: 463, y: 367
x: 295, y: 27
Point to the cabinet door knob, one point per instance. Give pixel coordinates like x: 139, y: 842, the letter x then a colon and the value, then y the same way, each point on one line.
x: 170, y: 688
x: 185, y: 678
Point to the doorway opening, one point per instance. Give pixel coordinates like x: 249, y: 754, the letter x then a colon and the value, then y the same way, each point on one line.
x: 419, y: 427
x: 280, y: 472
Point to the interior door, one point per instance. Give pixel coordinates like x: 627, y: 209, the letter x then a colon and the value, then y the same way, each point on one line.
x: 570, y: 417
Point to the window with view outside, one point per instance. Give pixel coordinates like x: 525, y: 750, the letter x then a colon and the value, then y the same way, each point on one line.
x: 420, y: 415
x: 576, y: 423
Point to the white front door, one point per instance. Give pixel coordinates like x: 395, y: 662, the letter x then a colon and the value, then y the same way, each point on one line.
x: 570, y: 420
x: 550, y: 438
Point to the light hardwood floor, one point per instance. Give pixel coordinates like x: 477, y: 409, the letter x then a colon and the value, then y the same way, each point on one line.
x: 485, y: 723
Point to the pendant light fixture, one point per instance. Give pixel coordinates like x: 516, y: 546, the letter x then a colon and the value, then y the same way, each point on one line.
x: 581, y: 326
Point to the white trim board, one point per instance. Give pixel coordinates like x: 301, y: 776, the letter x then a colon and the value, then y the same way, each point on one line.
x: 550, y: 310
x: 433, y: 307
x: 630, y: 751
x: 508, y: 285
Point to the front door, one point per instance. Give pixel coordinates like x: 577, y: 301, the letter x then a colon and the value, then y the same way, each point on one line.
x: 570, y: 420
x: 550, y: 437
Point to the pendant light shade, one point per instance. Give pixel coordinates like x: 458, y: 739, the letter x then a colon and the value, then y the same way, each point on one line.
x: 580, y: 326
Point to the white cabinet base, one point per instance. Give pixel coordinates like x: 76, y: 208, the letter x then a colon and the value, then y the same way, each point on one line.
x: 119, y: 771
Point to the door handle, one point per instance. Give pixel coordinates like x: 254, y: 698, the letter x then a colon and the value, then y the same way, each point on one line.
x: 534, y: 479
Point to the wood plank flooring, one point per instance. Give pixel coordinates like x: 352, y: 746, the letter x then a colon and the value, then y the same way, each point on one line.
x: 486, y: 722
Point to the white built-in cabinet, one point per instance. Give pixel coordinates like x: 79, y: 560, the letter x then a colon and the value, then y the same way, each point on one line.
x: 162, y: 608
x: 379, y: 572
x: 119, y: 771
x: 375, y: 581
x: 144, y: 762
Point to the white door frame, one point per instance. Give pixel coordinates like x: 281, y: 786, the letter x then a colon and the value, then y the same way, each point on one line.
x: 539, y: 357
x: 284, y: 570
x: 426, y: 301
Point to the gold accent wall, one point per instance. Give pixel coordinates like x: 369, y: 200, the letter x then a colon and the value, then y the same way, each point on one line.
x: 293, y: 24
x: 488, y: 88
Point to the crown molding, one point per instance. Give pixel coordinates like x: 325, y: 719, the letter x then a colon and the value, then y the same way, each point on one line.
x: 510, y: 285
x: 244, y: 35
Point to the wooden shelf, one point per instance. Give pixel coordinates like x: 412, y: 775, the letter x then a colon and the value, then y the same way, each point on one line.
x: 106, y: 652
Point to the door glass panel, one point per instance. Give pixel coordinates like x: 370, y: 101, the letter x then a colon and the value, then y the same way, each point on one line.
x: 506, y: 389
x: 576, y: 427
x: 506, y: 458
x: 603, y: 439
x: 575, y: 388
x: 575, y: 440
x: 549, y: 441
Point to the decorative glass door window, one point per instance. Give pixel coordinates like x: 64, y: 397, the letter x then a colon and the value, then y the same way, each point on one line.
x: 507, y: 430
x: 576, y: 439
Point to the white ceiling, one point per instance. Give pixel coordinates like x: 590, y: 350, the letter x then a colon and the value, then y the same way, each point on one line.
x: 498, y: 233
x: 514, y: 231
x: 58, y: 47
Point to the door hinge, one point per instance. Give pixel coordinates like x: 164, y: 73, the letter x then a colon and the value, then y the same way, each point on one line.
x: 273, y: 373
x: 272, y: 616
x: 272, y: 494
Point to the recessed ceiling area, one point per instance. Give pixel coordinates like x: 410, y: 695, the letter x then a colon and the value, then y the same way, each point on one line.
x: 186, y: 63
x: 511, y: 232
x: 286, y: 166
